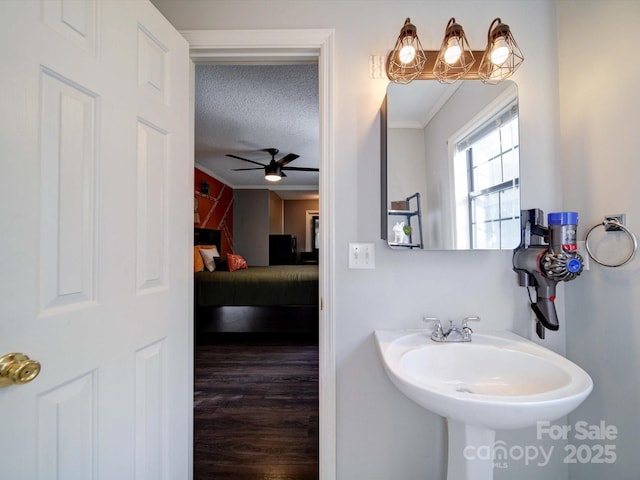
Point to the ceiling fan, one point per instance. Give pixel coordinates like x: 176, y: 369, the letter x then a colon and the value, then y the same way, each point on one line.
x: 273, y: 171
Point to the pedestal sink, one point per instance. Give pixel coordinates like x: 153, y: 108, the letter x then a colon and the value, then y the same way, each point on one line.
x: 497, y: 381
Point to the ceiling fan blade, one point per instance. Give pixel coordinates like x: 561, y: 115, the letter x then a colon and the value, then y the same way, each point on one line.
x: 287, y: 158
x: 302, y: 169
x: 274, y: 166
x: 245, y: 159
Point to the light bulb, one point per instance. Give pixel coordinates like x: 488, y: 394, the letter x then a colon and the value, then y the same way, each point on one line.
x: 272, y: 177
x: 500, y: 51
x: 407, y: 54
x: 453, y: 52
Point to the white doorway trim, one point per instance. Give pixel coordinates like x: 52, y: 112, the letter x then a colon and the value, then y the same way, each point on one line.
x: 249, y: 46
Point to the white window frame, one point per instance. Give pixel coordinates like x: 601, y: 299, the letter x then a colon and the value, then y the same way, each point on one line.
x: 458, y: 176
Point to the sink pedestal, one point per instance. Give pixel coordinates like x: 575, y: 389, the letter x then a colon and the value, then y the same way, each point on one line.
x: 470, y: 452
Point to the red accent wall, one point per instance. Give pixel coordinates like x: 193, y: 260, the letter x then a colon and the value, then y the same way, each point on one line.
x: 215, y: 208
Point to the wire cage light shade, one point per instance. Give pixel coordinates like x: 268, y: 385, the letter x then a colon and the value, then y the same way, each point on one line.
x: 407, y: 59
x: 455, y: 57
x: 502, y: 57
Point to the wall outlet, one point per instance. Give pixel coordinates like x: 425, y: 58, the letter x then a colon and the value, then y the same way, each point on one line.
x: 362, y: 255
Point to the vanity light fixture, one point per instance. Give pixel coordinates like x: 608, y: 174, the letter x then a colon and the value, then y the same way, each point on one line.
x: 407, y: 59
x: 502, y: 57
x: 455, y: 60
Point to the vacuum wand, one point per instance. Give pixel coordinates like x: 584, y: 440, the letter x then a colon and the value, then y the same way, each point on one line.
x: 546, y: 256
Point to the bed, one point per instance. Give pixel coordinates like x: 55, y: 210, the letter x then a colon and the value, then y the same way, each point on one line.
x: 269, y: 299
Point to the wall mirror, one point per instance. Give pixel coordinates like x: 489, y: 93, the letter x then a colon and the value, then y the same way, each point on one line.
x: 450, y: 166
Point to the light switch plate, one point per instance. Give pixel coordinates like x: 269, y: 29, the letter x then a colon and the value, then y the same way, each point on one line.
x: 362, y: 255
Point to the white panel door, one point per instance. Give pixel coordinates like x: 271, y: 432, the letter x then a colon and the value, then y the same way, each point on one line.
x: 95, y: 280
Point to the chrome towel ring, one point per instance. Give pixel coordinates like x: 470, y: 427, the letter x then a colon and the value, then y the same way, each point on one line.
x: 612, y: 224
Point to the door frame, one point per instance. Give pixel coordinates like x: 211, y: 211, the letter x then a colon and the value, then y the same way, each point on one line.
x: 250, y: 46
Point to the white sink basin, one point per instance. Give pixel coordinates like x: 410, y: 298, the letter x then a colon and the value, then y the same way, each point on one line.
x: 499, y: 380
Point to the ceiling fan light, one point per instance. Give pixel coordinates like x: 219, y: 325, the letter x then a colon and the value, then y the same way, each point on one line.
x: 273, y: 177
x: 273, y: 173
x: 274, y: 170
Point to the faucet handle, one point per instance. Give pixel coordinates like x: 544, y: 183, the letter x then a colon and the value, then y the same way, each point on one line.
x: 466, y: 320
x: 437, y: 327
x: 466, y: 330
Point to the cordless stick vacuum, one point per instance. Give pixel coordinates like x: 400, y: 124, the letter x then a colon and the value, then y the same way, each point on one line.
x: 546, y: 256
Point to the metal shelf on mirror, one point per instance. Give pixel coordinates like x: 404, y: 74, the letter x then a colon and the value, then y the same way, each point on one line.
x: 412, y: 212
x: 405, y: 245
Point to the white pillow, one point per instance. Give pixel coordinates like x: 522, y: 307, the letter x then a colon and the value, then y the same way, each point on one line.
x: 208, y: 255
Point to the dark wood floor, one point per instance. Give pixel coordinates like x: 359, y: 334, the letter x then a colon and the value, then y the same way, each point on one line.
x: 256, y: 410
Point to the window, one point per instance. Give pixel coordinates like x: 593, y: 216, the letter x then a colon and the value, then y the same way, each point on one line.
x: 486, y: 170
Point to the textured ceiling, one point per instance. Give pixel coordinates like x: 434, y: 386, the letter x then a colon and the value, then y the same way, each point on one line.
x: 241, y: 109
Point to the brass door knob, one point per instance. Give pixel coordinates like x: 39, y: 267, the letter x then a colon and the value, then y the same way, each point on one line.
x: 17, y: 369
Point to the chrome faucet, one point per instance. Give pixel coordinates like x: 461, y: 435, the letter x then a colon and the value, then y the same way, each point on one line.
x: 455, y: 333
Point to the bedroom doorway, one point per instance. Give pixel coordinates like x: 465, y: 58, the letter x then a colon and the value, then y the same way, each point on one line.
x: 286, y: 46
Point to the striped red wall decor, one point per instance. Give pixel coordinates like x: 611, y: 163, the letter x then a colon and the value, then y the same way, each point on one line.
x: 214, y: 208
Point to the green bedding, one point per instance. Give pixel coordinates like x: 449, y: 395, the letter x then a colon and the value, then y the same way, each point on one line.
x: 258, y: 286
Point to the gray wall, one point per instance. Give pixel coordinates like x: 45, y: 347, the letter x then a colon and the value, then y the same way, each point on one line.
x: 380, y: 433
x: 276, y: 214
x: 600, y: 143
x: 251, y: 225
x: 406, y: 172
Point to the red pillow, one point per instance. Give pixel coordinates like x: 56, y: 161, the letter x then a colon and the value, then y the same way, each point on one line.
x: 235, y: 262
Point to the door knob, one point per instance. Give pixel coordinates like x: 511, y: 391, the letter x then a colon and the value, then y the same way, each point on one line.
x: 17, y: 369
